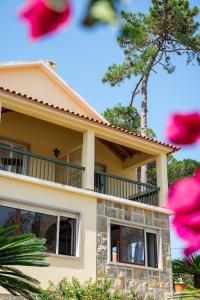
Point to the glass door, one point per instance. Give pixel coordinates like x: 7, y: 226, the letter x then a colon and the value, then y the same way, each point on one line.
x: 100, y: 179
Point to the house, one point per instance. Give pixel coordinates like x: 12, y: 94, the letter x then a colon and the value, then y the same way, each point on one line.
x: 70, y: 177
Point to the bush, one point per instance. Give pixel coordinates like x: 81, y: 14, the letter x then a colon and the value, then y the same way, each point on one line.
x: 99, y: 290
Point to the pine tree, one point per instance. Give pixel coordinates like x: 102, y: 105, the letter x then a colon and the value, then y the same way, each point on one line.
x: 150, y: 41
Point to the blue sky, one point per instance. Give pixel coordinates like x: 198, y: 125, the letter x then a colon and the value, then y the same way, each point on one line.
x: 82, y: 58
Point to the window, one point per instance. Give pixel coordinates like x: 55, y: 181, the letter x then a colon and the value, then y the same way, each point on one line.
x: 133, y: 246
x: 12, y: 161
x: 59, y: 231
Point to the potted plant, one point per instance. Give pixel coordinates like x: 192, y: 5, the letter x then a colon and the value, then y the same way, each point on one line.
x: 179, y: 284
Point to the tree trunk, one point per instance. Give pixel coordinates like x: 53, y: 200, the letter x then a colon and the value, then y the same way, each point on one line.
x: 197, y: 281
x: 144, y: 121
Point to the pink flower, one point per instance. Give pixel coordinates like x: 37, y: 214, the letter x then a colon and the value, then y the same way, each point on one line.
x: 45, y: 16
x: 184, y: 200
x: 184, y: 129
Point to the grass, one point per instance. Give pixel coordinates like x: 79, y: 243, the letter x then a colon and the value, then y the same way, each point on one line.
x: 190, y: 291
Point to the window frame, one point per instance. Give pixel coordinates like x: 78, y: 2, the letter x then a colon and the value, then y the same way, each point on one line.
x: 57, y: 214
x: 146, y: 229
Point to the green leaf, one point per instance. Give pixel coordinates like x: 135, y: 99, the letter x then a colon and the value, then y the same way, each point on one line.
x: 101, y: 11
x: 26, y: 250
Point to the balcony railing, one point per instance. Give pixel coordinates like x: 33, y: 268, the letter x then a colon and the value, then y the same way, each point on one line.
x: 126, y: 188
x: 30, y: 164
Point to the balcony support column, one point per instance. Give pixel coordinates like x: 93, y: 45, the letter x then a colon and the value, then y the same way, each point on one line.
x: 162, y: 178
x: 88, y: 159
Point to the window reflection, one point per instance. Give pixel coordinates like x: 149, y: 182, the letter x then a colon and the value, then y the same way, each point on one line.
x: 128, y: 246
x: 43, y: 226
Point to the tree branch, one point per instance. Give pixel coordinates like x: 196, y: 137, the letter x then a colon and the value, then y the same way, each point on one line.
x: 134, y: 93
x: 179, y: 49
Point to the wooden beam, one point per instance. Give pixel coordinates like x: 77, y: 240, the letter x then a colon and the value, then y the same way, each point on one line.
x: 5, y: 110
x: 138, y: 160
x: 120, y: 151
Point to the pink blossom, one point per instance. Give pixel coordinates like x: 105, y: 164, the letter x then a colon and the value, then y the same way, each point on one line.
x: 184, y: 200
x: 44, y: 16
x: 184, y: 129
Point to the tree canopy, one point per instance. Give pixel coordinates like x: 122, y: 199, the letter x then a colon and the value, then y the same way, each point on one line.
x: 151, y: 40
x: 126, y: 117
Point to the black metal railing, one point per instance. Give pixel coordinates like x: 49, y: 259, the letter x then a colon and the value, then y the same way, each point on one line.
x: 30, y: 164
x: 126, y: 188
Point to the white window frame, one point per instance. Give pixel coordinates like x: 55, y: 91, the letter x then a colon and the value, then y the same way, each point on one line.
x: 146, y: 229
x: 57, y: 214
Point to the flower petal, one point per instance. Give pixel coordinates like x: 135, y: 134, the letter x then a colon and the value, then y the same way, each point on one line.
x: 184, y: 195
x: 184, y: 200
x: 184, y: 129
x: 42, y: 18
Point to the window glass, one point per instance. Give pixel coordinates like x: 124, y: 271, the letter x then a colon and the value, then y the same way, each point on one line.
x: 67, y: 236
x: 152, y: 257
x: 132, y: 245
x: 128, y: 246
x: 43, y: 226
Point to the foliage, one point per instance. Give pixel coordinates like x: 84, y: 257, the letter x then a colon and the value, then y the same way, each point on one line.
x: 126, y: 117
x: 101, y: 11
x: 150, y: 40
x: 176, y: 169
x: 191, y: 291
x: 89, y: 290
x: 20, y: 250
x: 190, y: 265
x: 181, y: 168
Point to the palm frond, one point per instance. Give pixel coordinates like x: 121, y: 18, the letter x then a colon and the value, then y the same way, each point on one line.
x: 26, y: 250
x: 190, y: 265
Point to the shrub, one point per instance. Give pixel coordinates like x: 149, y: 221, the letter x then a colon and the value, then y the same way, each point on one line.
x: 89, y: 290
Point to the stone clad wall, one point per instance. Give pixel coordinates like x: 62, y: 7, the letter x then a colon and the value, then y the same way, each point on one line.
x: 150, y: 284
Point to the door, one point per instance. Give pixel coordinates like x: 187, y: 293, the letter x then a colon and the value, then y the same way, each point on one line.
x: 100, y: 179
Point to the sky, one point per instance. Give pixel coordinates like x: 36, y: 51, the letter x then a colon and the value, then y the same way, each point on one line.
x: 83, y: 56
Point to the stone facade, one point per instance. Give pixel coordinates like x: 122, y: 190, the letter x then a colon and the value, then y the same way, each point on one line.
x: 149, y: 283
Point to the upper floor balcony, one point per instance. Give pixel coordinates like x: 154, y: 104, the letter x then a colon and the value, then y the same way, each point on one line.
x: 16, y: 160
x: 80, y: 153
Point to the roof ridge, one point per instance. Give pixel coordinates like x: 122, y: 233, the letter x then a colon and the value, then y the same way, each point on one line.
x: 89, y: 118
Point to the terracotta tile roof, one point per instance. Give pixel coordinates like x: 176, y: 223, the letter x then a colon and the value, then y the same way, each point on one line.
x: 88, y: 118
